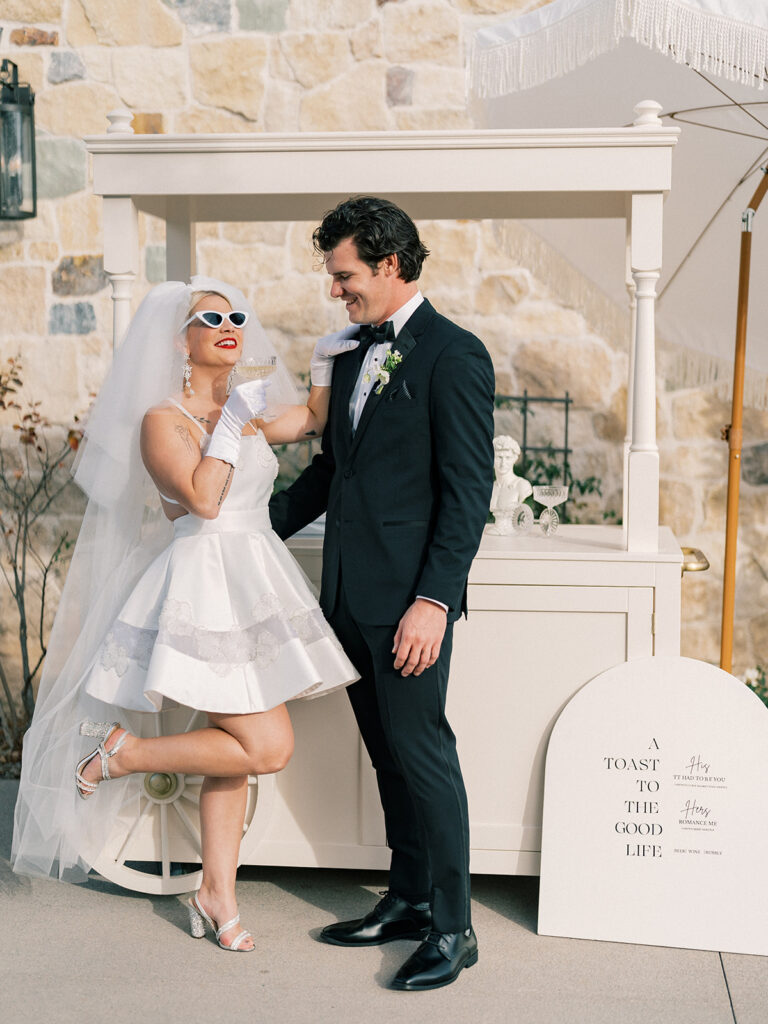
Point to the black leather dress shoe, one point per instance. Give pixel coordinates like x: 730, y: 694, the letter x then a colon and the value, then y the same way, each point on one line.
x: 391, y: 918
x: 438, y: 961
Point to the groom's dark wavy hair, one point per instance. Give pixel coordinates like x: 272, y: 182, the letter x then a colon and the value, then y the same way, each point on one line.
x: 378, y: 229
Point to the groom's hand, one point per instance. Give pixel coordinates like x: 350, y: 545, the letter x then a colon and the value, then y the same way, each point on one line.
x: 418, y: 637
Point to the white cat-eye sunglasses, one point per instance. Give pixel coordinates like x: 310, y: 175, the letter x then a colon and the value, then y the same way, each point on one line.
x: 212, y: 318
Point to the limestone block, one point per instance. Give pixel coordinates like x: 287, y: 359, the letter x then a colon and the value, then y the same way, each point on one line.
x: 65, y: 66
x: 410, y: 119
x: 366, y: 41
x: 301, y: 255
x: 453, y: 302
x: 316, y: 57
x: 31, y: 69
x: 296, y: 305
x: 677, y: 505
x: 498, y: 293
x: 62, y: 166
x: 540, y: 319
x: 11, y: 252
x: 250, y: 232
x: 203, y: 15
x: 33, y: 37
x: 43, y: 252
x: 758, y: 627
x: 32, y: 10
x: 51, y: 376
x: 41, y: 228
x: 611, y: 424
x: 705, y: 461
x: 437, y: 87
x: 243, y: 265
x: 146, y: 78
x: 80, y: 32
x: 510, y: 7
x: 282, y: 106
x: 701, y: 596
x: 137, y: 23
x: 453, y: 248
x: 699, y: 413
x: 754, y: 467
x: 355, y: 101
x: 79, y: 275
x: 400, y: 86
x: 80, y: 224
x: 21, y: 292
x: 199, y: 120
x: 553, y: 366
x: 77, y: 318
x: 262, y: 15
x: 751, y: 506
x: 75, y: 108
x: 154, y: 263
x: 308, y: 15
x: 422, y: 30
x: 147, y: 124
x: 229, y: 73
x: 98, y: 64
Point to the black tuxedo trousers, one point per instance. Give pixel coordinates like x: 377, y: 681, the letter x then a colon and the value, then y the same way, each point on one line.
x: 406, y: 496
x: 413, y: 750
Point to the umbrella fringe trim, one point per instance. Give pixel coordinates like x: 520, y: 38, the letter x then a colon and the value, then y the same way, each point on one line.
x: 711, y: 43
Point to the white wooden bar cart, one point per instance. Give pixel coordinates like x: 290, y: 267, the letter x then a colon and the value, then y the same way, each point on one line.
x: 546, y: 614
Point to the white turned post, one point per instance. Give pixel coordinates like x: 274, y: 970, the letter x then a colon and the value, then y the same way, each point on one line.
x: 121, y: 259
x: 632, y: 293
x: 645, y: 227
x: 180, y: 252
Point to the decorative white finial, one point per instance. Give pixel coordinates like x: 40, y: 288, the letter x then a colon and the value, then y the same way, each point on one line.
x: 647, y: 114
x: 120, y: 122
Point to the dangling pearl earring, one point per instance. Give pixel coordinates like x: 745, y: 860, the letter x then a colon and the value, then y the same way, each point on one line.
x: 187, y: 387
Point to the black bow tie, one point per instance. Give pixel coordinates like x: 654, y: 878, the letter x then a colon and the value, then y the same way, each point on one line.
x: 375, y: 335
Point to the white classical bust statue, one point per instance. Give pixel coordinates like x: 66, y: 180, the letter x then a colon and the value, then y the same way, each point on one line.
x: 509, y: 489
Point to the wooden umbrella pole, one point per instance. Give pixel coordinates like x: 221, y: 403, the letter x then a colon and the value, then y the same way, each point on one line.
x: 734, y: 431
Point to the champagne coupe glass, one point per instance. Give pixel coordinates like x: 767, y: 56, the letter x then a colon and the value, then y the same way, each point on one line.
x: 549, y: 496
x: 256, y: 367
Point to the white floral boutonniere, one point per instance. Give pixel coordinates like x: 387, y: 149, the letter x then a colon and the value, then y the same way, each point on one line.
x: 383, y: 374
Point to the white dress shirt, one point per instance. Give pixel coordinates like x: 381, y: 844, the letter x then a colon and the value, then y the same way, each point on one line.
x: 376, y: 357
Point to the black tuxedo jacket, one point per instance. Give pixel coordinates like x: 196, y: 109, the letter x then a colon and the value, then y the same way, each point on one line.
x: 407, y: 494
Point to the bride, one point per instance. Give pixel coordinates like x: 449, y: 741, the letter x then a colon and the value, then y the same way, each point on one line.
x: 178, y: 593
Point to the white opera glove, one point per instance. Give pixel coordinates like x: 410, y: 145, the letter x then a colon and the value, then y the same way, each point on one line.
x: 246, y: 401
x: 327, y: 348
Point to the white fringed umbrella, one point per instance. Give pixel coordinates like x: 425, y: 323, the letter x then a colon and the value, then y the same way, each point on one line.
x: 587, y: 63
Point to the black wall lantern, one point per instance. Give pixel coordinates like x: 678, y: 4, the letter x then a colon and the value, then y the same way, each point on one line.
x: 18, y: 185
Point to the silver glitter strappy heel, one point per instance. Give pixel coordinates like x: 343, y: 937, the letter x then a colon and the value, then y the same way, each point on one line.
x: 198, y: 920
x: 103, y: 730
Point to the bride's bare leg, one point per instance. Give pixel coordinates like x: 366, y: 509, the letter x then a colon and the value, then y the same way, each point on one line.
x: 257, y: 744
x: 222, y: 808
x: 222, y: 811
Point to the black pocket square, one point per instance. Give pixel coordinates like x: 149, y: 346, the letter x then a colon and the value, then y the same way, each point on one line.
x: 400, y: 392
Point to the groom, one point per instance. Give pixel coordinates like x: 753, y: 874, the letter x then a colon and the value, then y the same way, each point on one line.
x: 405, y: 476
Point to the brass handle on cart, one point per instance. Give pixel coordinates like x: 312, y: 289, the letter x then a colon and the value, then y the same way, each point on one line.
x: 693, y: 560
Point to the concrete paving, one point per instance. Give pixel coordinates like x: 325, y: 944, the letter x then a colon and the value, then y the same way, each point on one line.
x: 96, y: 953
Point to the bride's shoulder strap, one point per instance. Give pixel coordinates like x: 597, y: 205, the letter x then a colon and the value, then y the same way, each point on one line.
x: 189, y: 415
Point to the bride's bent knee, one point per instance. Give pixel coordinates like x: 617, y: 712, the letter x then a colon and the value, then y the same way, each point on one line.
x: 273, y: 758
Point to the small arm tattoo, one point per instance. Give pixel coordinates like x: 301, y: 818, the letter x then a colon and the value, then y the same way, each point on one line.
x: 184, y: 437
x: 223, y: 489
x: 310, y: 433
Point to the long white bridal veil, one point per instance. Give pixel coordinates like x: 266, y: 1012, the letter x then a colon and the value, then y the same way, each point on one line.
x: 55, y: 832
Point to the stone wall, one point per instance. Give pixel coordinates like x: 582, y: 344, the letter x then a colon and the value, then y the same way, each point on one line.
x: 294, y: 65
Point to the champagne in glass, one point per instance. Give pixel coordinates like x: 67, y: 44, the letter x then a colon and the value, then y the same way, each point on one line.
x: 256, y: 367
